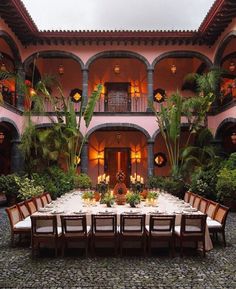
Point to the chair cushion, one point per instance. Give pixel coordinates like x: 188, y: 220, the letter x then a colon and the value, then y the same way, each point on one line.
x: 72, y: 229
x: 212, y: 224
x: 48, y: 229
x: 23, y: 225
x: 159, y: 233
x: 189, y: 228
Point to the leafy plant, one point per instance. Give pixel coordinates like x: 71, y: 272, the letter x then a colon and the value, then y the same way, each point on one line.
x: 28, y: 188
x: 133, y: 199
x: 88, y: 195
x: 108, y: 199
x: 82, y: 181
x: 152, y: 195
x: 9, y: 185
x: 226, y: 184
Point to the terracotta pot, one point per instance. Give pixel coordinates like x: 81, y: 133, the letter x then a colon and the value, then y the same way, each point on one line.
x: 144, y: 194
x: 120, y: 199
x: 97, y: 196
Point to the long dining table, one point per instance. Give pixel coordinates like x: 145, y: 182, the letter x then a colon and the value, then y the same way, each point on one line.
x: 72, y: 203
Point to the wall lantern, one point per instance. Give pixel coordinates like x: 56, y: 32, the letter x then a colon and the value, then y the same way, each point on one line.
x: 76, y: 95
x: 231, y: 66
x: 160, y: 159
x: 2, y: 137
x: 159, y: 95
x: 3, y: 67
x: 173, y: 69
x: 233, y: 137
x: 61, y: 69
x: 117, y: 69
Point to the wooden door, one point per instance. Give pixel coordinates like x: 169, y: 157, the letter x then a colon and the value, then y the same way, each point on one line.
x: 117, y: 98
x: 117, y: 159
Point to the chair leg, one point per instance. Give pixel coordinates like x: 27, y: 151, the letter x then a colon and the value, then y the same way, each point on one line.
x: 181, y: 248
x: 55, y: 248
x: 224, y: 240
x: 149, y: 246
x: 204, y: 248
x: 12, y: 239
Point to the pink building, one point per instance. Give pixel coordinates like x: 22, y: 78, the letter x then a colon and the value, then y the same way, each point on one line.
x: 132, y: 66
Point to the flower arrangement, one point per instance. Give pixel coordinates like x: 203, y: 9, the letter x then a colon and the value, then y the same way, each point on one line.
x: 120, y: 177
x: 88, y: 195
x: 108, y: 199
x: 133, y: 199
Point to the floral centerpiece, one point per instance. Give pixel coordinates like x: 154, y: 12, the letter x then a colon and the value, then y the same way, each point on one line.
x: 133, y: 199
x: 152, y: 198
x: 108, y: 199
x: 120, y: 176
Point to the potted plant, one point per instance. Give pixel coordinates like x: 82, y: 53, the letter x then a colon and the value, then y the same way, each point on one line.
x: 133, y: 199
x: 152, y: 197
x: 108, y: 199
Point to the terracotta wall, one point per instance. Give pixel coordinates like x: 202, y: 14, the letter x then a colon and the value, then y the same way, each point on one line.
x: 100, y: 140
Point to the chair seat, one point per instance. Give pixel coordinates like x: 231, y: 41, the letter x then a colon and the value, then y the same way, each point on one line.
x: 71, y: 229
x: 212, y: 224
x: 23, y: 225
x: 48, y: 230
x: 158, y: 233
x: 189, y: 228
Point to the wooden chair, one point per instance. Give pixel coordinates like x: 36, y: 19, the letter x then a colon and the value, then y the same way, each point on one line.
x: 44, y: 200
x: 75, y: 229
x: 212, y: 209
x: 192, y: 228
x: 18, y: 225
x: 203, y: 205
x: 31, y: 206
x: 132, y: 231
x: 48, y: 196
x: 44, y: 231
x: 104, y: 231
x: 196, y: 202
x: 187, y: 196
x: 25, y: 213
x: 217, y: 225
x: 192, y: 198
x: 161, y: 229
x: 38, y: 203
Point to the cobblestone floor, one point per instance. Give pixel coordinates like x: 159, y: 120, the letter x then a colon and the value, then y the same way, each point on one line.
x: 217, y: 270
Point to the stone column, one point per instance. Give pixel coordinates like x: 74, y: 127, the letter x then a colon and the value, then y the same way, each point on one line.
x: 84, y: 158
x: 85, y: 73
x: 19, y: 90
x: 150, y: 149
x: 150, y: 72
x: 17, y: 161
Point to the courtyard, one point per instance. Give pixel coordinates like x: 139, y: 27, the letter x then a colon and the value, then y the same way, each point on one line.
x: 216, y: 271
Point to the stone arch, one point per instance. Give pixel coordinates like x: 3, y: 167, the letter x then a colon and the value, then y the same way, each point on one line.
x: 222, y: 125
x: 12, y: 125
x: 182, y: 54
x: 52, y: 53
x: 14, y: 48
x: 113, y: 125
x: 183, y: 125
x: 117, y: 54
x: 222, y: 46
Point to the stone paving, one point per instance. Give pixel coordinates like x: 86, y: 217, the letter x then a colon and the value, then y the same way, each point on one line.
x: 217, y: 270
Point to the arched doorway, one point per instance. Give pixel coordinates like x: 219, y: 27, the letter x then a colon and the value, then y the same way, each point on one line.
x: 114, y: 148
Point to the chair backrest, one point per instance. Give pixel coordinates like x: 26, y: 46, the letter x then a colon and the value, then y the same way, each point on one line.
x: 31, y: 206
x: 196, y: 202
x: 104, y: 223
x: 14, y: 215
x: 23, y: 210
x: 186, y: 197
x: 132, y: 223
x: 74, y: 224
x: 38, y: 202
x: 48, y: 197
x: 44, y: 226
x: 211, y: 209
x: 193, y: 225
x: 44, y: 200
x: 162, y: 223
x: 192, y: 198
x: 203, y: 205
x: 221, y: 214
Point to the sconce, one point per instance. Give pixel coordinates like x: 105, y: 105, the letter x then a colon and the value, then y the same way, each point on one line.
x: 61, y: 69
x: 99, y: 155
x: 117, y: 69
x: 233, y: 137
x: 173, y: 69
x: 160, y: 159
x: 159, y: 95
x: 76, y: 95
x: 2, y: 137
x: 231, y: 66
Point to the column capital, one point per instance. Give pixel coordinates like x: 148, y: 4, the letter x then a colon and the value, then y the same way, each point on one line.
x: 85, y: 69
x: 150, y: 142
x: 150, y: 69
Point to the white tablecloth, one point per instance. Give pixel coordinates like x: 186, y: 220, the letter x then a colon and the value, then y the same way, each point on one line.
x: 72, y: 203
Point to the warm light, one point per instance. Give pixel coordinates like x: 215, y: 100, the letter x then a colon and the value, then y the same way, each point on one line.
x: 233, y: 137
x: 232, y: 66
x: 77, y: 160
x: 3, y: 67
x: 173, y: 69
x: 135, y: 91
x: 99, y: 156
x: 61, y: 69
x: 2, y: 137
x: 32, y: 92
x: 117, y: 69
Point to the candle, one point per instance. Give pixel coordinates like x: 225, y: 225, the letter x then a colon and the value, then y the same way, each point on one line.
x: 104, y: 177
x: 135, y: 176
x: 138, y: 178
x: 99, y: 179
x: 141, y: 180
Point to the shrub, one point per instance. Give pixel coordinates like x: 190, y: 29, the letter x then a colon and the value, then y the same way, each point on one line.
x: 8, y: 184
x: 155, y: 182
x: 82, y: 181
x: 226, y: 184
x: 28, y: 188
